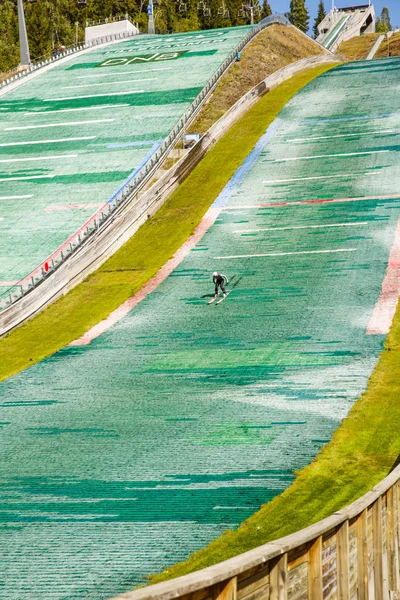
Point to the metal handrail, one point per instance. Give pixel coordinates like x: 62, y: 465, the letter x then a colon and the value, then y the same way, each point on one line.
x: 125, y: 195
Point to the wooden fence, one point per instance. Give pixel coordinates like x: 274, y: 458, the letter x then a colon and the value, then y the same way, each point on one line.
x: 353, y: 554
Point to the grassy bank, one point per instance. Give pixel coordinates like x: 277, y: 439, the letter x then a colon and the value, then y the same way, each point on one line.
x: 358, y: 48
x: 362, y: 452
x: 155, y: 242
x: 390, y: 46
x: 274, y: 48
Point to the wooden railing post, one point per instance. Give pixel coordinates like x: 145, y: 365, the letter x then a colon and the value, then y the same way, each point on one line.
x: 377, y: 548
x: 391, y: 540
x: 362, y: 556
x: 226, y: 590
x: 278, y: 578
x: 396, y: 499
x: 342, y: 561
x: 315, y: 588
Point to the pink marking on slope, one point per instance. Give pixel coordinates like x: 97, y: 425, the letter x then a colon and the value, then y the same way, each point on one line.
x: 208, y: 220
x: 385, y: 308
x: 313, y: 201
x: 8, y: 283
x: 76, y: 206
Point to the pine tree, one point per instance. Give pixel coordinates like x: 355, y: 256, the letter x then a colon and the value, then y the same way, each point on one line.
x: 385, y: 19
x: 298, y: 14
x: 9, y: 45
x: 266, y: 10
x: 320, y: 17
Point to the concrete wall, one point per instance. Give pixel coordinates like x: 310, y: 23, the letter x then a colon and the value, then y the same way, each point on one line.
x: 106, y: 29
x: 355, y: 25
x: 127, y: 220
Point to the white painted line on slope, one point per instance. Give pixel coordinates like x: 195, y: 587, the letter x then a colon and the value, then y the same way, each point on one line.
x: 33, y: 158
x: 107, y: 94
x: 68, y: 124
x: 122, y: 73
x: 274, y: 181
x: 342, y: 135
x: 74, y: 87
x: 27, y: 177
x: 62, y: 110
x: 359, y: 223
x: 56, y: 141
x: 285, y: 253
x: 16, y: 197
x: 341, y: 155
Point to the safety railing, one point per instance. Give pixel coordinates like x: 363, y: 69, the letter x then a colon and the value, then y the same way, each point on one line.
x: 125, y: 195
x: 353, y: 554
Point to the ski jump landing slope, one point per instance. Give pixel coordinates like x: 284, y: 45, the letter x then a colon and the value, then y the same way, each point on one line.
x: 123, y: 455
x: 71, y: 136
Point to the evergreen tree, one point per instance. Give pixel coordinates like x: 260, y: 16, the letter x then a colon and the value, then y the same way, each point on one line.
x: 320, y: 17
x: 385, y: 19
x: 379, y: 26
x: 9, y: 45
x: 298, y: 14
x: 266, y: 10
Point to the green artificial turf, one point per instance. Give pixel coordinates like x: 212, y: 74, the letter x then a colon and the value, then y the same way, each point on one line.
x: 362, y: 452
x: 154, y: 243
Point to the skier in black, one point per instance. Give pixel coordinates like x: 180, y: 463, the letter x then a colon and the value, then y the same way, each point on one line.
x: 219, y: 281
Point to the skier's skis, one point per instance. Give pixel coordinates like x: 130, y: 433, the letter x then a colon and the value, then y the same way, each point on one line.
x: 223, y: 298
x: 213, y: 299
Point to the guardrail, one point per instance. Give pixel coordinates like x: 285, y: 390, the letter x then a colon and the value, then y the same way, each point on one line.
x: 352, y: 554
x: 131, y: 189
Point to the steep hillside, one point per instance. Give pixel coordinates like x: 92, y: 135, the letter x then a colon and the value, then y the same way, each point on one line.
x: 358, y: 47
x: 273, y: 49
x: 392, y: 46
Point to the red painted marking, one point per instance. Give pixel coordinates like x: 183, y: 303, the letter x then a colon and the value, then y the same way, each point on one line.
x: 46, y: 266
x: 75, y: 206
x: 316, y: 201
x: 385, y: 308
x: 208, y: 220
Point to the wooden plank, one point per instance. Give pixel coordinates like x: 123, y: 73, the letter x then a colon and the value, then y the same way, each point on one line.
x: 362, y: 556
x: 315, y: 588
x: 396, y: 502
x: 278, y: 578
x: 226, y: 590
x: 261, y: 593
x: 391, y: 541
x: 342, y: 562
x: 256, y: 579
x: 377, y: 548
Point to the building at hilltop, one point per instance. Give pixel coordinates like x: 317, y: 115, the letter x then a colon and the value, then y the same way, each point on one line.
x: 341, y: 24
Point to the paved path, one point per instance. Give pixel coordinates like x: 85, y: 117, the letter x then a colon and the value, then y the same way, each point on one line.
x: 122, y: 456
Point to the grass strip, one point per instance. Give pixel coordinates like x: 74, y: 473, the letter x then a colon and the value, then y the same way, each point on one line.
x: 362, y: 452
x: 152, y: 245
